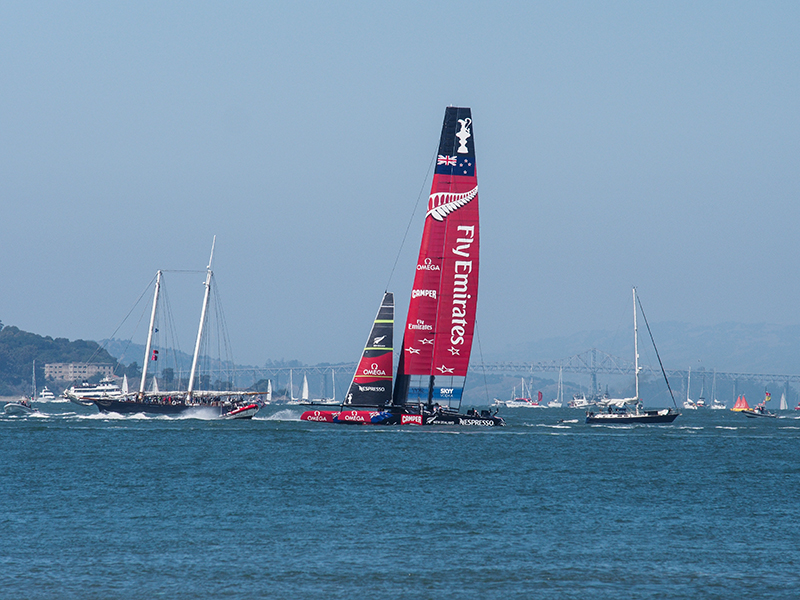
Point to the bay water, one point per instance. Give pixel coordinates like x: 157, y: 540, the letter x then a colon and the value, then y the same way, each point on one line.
x: 107, y: 507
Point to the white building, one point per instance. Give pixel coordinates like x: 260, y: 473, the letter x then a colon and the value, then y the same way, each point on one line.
x: 75, y: 372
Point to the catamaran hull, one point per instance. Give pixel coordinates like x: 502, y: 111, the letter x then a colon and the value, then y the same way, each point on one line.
x: 648, y: 416
x: 380, y: 417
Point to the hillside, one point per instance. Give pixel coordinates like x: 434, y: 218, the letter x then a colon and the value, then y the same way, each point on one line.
x: 18, y: 350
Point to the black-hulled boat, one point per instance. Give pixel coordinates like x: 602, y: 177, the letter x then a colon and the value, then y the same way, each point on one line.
x: 437, y: 338
x: 224, y: 404
x: 621, y: 411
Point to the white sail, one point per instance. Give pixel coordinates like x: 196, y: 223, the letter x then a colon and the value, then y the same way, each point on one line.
x: 269, y: 391
x: 304, y: 389
x: 125, y: 384
x: 154, y: 387
x: 559, y: 400
x: 784, y: 405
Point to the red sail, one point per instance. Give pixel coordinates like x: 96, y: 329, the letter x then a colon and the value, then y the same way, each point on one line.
x: 441, y: 316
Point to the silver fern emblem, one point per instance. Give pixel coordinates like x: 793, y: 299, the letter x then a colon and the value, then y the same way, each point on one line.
x: 442, y: 204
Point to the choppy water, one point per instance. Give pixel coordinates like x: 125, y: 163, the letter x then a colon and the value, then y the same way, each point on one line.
x: 143, y: 507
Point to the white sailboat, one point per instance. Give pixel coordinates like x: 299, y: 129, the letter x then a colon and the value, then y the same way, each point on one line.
x: 630, y: 410
x: 783, y: 405
x: 290, y: 391
x: 559, y: 401
x: 715, y: 404
x: 689, y: 403
x: 524, y: 400
x: 304, y: 389
x: 701, y: 401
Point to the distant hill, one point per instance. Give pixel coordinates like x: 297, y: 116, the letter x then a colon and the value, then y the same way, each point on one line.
x: 18, y: 350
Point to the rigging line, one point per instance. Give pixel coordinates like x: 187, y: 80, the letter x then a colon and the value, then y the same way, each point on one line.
x: 147, y: 287
x: 410, y: 221
x: 483, y: 365
x: 656, y: 349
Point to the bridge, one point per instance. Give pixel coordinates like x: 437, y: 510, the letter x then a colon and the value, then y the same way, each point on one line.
x: 592, y: 362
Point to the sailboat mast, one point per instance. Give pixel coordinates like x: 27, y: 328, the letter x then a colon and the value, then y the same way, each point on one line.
x: 635, y: 346
x: 202, y: 320
x: 149, y: 344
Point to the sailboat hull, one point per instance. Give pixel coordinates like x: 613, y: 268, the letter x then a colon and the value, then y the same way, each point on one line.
x: 174, y: 407
x: 666, y: 415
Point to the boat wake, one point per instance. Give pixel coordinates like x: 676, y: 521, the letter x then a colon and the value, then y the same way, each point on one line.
x: 282, y: 415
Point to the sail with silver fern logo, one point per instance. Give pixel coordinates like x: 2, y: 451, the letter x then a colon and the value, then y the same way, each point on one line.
x: 437, y: 337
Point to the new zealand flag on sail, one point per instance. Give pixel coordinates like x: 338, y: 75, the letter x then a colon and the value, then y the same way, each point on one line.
x: 456, y: 154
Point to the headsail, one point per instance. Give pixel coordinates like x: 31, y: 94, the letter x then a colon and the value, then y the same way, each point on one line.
x: 437, y: 339
x: 304, y: 389
x: 372, y: 381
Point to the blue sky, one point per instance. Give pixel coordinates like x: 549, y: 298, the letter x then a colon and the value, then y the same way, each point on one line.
x: 617, y: 143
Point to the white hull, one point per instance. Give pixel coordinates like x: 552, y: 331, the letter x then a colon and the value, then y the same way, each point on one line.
x: 18, y: 408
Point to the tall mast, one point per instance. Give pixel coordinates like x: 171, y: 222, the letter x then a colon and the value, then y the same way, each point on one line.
x: 202, y: 321
x: 635, y: 345
x: 149, y: 344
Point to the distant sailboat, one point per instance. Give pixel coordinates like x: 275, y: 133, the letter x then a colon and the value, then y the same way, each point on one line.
x: 620, y: 411
x: 688, y: 403
x: 715, y: 404
x: 559, y: 401
x: 304, y: 389
x: 783, y: 405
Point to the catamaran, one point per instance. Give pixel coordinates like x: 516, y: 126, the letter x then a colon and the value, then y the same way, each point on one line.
x: 630, y: 410
x: 437, y: 337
